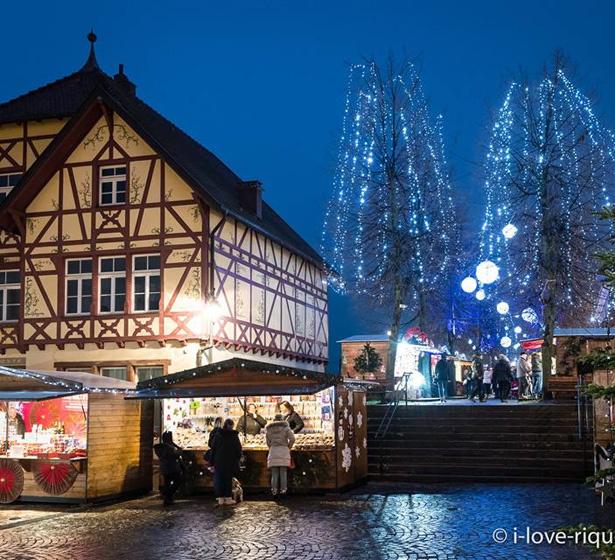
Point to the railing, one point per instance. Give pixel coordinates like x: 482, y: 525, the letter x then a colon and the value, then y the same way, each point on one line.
x: 391, y: 408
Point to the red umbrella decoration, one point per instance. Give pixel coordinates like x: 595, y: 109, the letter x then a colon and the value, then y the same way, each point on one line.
x: 54, y: 477
x: 11, y: 480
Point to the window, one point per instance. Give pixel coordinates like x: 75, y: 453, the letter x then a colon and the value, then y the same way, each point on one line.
x: 146, y: 275
x: 7, y: 182
x: 115, y: 372
x: 112, y: 284
x: 112, y: 185
x: 149, y: 372
x: 10, y: 289
x: 78, y: 286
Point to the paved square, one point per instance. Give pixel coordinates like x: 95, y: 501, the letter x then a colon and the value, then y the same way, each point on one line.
x: 375, y: 522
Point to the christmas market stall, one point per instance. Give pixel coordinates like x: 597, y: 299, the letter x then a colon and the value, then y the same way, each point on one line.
x: 71, y: 437
x: 416, y: 360
x: 330, y: 452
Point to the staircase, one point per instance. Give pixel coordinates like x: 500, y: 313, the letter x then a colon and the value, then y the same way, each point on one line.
x: 480, y: 442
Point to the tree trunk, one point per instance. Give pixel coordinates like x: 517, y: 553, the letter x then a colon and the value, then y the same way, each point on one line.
x: 548, y: 346
x: 394, y: 329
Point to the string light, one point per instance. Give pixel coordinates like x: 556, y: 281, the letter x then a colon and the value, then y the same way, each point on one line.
x: 549, y: 162
x: 372, y: 224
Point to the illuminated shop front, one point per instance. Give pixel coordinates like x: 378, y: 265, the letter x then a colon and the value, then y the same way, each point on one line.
x: 330, y: 450
x: 71, y: 437
x: 416, y: 360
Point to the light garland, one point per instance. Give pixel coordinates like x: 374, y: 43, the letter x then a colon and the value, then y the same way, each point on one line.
x: 546, y: 130
x: 373, y: 224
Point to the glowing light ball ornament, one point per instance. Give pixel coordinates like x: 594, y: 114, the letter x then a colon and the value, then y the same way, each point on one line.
x: 468, y: 284
x: 487, y: 272
x: 517, y: 330
x: 505, y: 342
x: 502, y: 308
x: 529, y: 315
x: 480, y: 295
x: 509, y: 231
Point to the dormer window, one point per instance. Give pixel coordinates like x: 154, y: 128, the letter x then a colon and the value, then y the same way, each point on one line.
x: 7, y: 182
x: 112, y: 185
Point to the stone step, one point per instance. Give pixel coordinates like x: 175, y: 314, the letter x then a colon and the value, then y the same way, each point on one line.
x: 498, y: 478
x: 474, y: 470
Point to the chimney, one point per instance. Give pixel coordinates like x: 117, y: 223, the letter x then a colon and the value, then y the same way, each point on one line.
x: 251, y: 197
x: 123, y: 83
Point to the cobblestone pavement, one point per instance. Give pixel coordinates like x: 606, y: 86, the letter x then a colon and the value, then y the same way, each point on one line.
x: 414, y: 522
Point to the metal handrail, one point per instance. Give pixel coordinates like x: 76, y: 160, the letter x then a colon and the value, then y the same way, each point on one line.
x: 385, y: 423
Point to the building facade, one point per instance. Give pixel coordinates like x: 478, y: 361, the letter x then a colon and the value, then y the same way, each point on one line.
x: 128, y: 249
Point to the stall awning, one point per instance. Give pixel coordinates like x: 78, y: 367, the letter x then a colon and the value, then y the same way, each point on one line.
x: 235, y: 377
x: 27, y: 385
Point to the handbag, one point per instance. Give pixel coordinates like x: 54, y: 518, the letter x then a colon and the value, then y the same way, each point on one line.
x: 291, y: 463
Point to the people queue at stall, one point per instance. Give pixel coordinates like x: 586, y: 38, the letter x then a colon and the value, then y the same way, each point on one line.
x: 501, y: 378
x: 225, y: 453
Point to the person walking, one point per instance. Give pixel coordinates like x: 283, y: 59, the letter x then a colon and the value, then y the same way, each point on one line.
x: 502, y: 376
x: 478, y: 373
x: 171, y: 466
x: 442, y: 377
x: 524, y: 371
x: 226, y: 455
x: 280, y: 440
x: 487, y: 382
x: 536, y: 375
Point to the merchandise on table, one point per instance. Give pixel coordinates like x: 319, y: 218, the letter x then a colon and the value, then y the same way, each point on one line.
x: 50, y: 429
x: 191, y: 419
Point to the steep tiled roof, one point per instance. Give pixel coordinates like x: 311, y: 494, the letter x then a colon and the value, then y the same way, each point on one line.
x: 201, y: 168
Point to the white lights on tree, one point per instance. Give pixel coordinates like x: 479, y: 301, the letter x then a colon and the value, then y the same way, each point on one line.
x: 468, y: 284
x: 481, y: 295
x: 509, y: 231
x: 487, y: 272
x: 502, y: 308
x: 505, y: 342
x: 529, y: 315
x: 518, y: 330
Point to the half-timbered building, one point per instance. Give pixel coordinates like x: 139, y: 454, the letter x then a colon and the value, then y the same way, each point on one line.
x: 130, y: 250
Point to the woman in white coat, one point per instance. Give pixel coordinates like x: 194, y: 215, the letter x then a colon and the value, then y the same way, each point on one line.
x: 280, y: 439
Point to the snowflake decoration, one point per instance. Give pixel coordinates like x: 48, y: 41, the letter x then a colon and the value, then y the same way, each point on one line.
x: 346, y: 412
x: 364, y: 443
x: 350, y: 420
x: 340, y: 433
x: 364, y: 399
x: 357, y: 451
x: 346, y: 458
x: 350, y: 395
x: 340, y: 401
x: 359, y: 419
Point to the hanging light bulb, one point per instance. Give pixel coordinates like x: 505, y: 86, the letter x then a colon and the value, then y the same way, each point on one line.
x: 529, y: 315
x: 509, y: 231
x: 518, y: 329
x: 468, y: 284
x: 502, y: 308
x: 487, y: 272
x: 480, y: 295
x: 505, y: 342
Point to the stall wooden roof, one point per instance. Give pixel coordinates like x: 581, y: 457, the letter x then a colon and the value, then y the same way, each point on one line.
x: 235, y: 377
x: 24, y: 385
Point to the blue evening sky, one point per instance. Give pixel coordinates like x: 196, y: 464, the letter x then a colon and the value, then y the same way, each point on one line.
x: 262, y: 84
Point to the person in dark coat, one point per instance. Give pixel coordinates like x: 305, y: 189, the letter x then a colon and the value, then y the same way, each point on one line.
x: 441, y: 372
x: 171, y: 466
x: 294, y: 420
x: 226, y: 456
x: 252, y: 422
x: 478, y: 373
x: 215, y: 430
x: 502, y: 375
